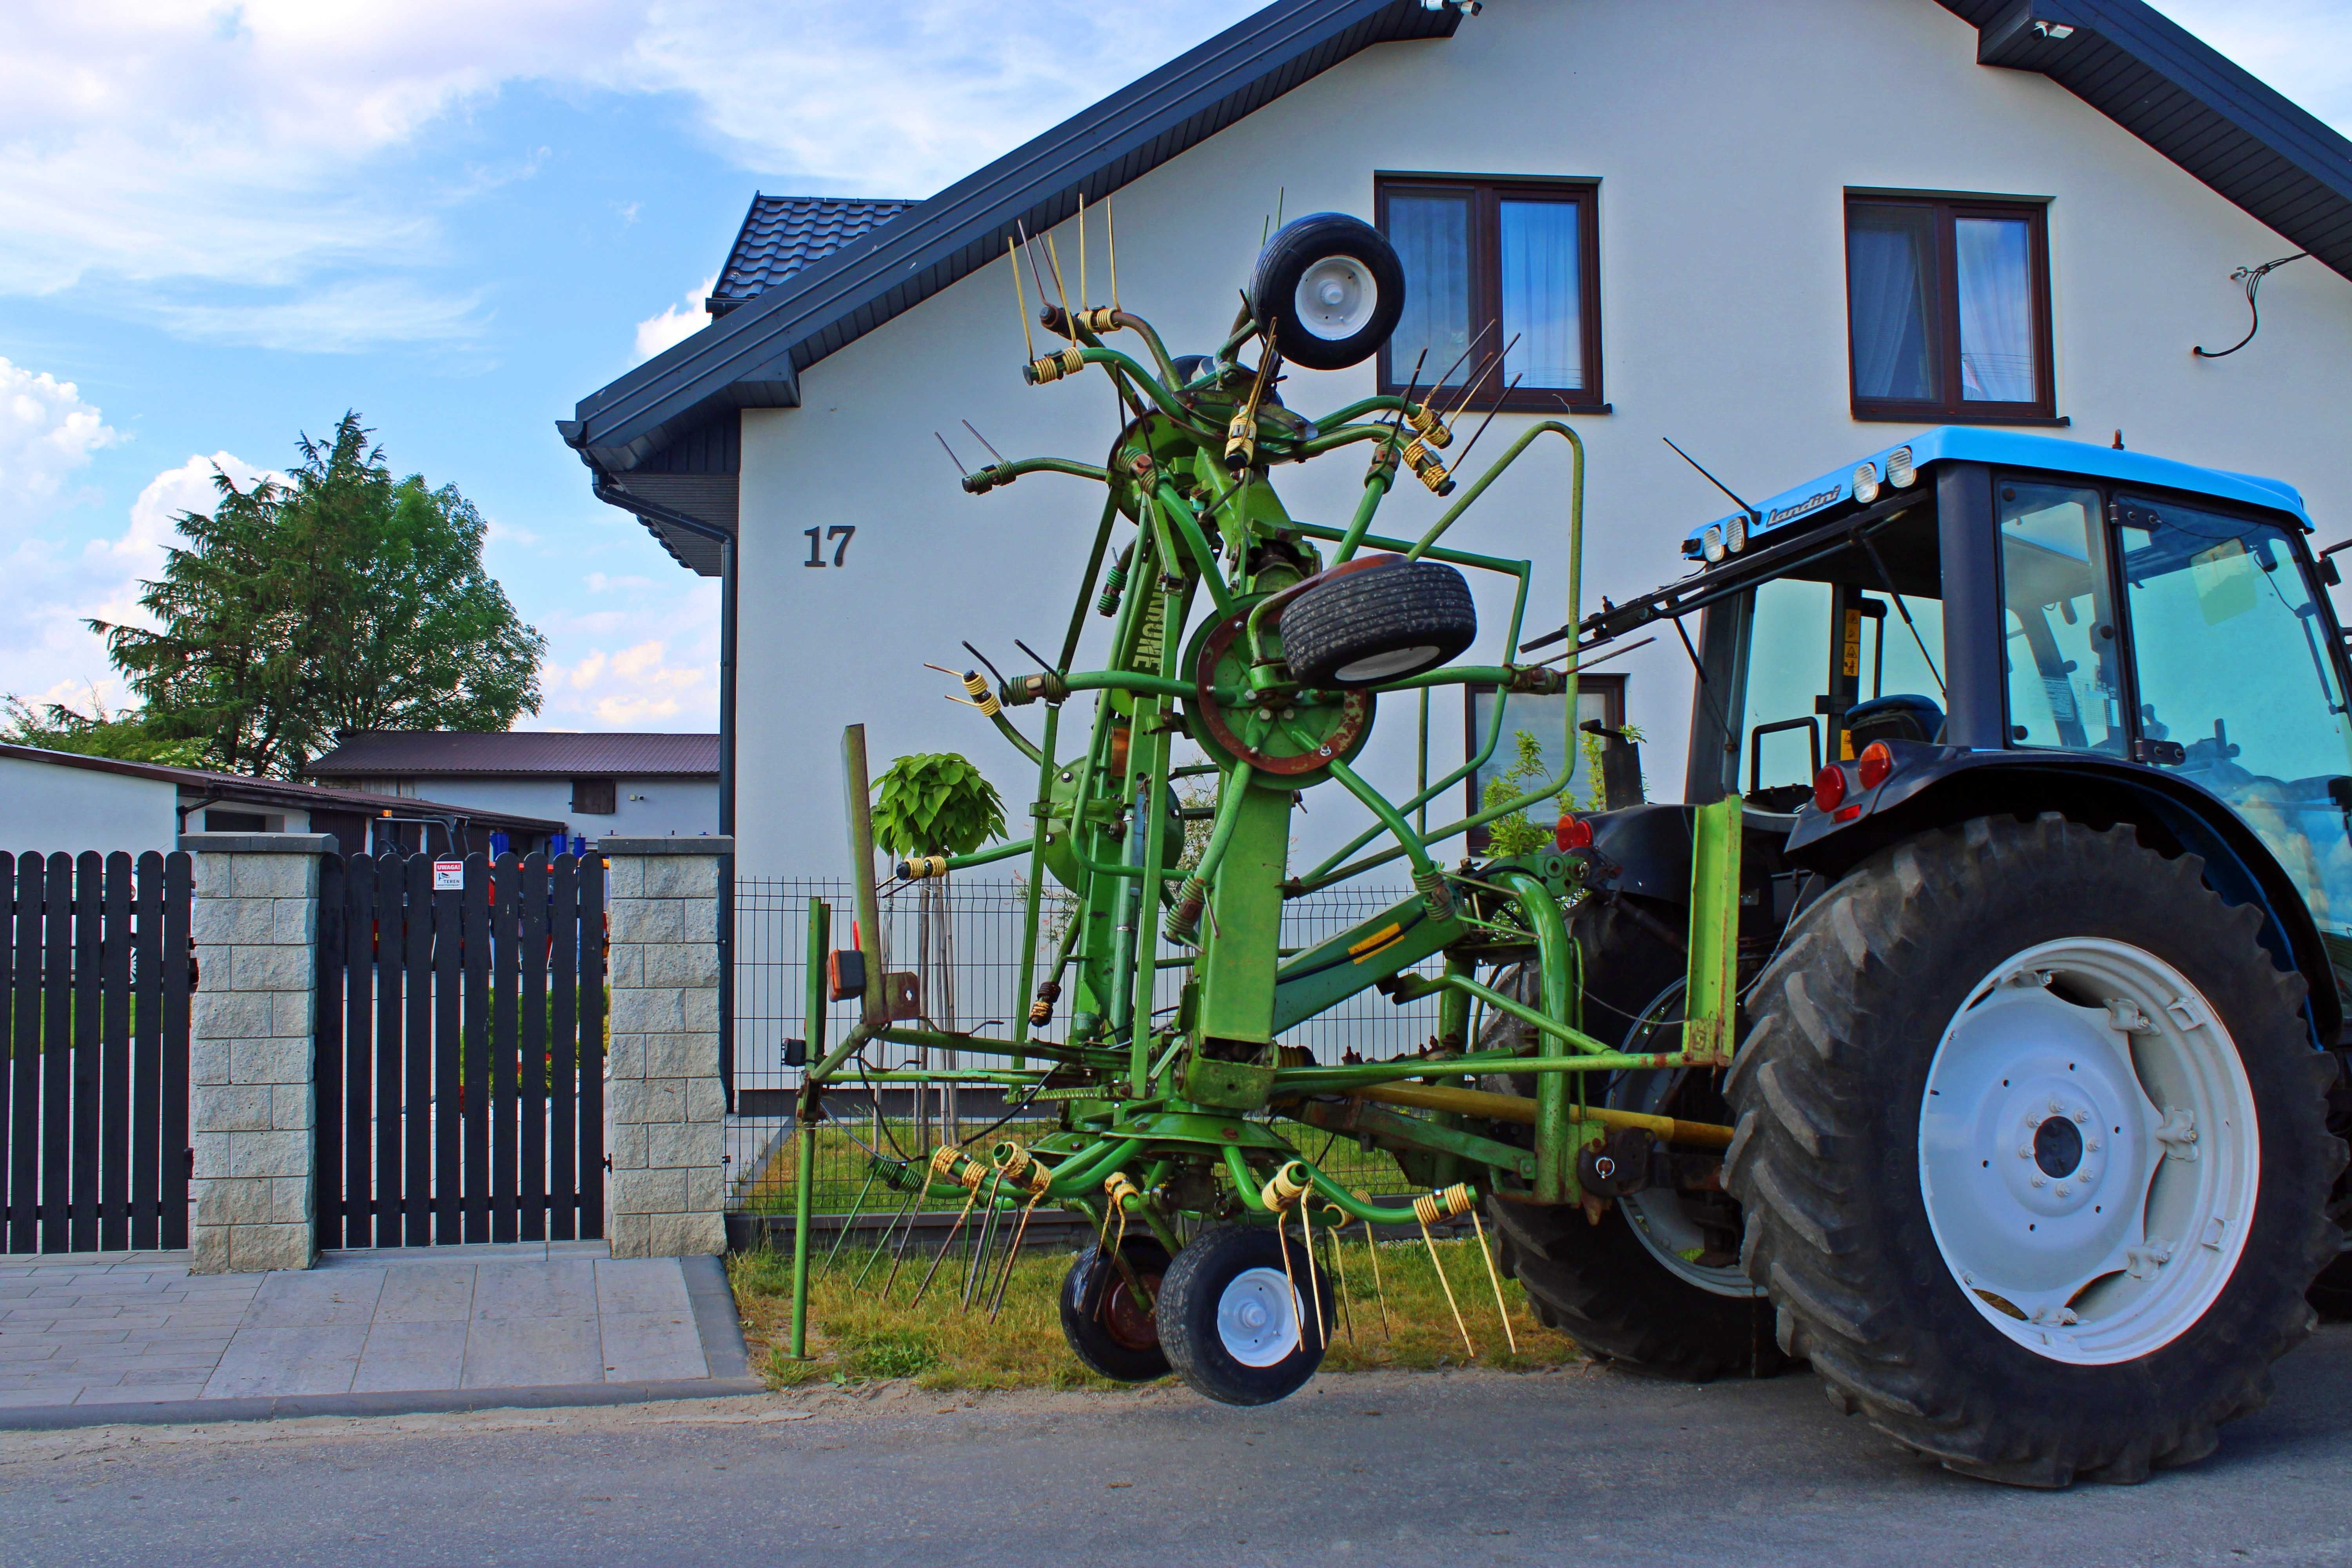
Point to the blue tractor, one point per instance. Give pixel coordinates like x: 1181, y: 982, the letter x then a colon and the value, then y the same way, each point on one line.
x: 2046, y: 942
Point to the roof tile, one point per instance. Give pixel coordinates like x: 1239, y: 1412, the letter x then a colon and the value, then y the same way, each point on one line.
x: 420, y: 753
x: 781, y: 235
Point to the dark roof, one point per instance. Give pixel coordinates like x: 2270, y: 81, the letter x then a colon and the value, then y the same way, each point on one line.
x: 2178, y: 94
x: 770, y: 340
x: 783, y: 235
x: 516, y: 753
x: 241, y: 789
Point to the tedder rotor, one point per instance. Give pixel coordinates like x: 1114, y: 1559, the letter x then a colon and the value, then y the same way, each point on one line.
x: 1271, y: 642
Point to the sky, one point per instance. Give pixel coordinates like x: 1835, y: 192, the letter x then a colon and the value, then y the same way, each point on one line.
x: 222, y: 225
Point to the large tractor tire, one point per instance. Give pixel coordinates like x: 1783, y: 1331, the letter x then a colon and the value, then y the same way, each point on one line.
x: 1642, y: 1287
x: 2033, y: 1148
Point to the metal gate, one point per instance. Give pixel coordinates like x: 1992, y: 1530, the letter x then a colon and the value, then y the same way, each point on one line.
x: 460, y: 1049
x: 94, y: 982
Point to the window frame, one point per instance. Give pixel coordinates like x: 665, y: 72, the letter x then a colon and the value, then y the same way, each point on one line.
x: 588, y: 789
x: 1609, y: 686
x: 1486, y: 192
x: 1946, y: 209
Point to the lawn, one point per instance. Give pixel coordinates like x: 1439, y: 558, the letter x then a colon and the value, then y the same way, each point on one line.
x: 858, y: 1334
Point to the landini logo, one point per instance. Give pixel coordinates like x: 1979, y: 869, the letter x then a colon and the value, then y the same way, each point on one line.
x: 1810, y: 503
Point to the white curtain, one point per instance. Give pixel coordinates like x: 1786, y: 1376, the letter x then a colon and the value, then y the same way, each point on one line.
x: 1542, y: 301
x: 1432, y: 235
x: 1886, y: 255
x: 1996, y: 268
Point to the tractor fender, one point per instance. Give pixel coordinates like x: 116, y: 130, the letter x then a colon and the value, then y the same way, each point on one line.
x: 1645, y: 851
x: 1940, y: 786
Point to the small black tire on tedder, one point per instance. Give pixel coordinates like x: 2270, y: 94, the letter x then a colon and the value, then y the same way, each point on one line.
x: 1106, y: 1309
x: 1245, y: 1314
x: 1392, y: 619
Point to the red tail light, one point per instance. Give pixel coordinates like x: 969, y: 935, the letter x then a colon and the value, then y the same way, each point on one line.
x: 1573, y: 833
x: 1829, y: 787
x: 1875, y: 763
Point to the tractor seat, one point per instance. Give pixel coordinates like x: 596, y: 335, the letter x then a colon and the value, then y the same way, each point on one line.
x: 1905, y: 716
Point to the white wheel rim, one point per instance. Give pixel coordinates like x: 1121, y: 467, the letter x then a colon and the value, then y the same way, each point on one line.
x: 1380, y: 666
x: 1258, y: 1316
x: 1336, y: 298
x: 2089, y: 1153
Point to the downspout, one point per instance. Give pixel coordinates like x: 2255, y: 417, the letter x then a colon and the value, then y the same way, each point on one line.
x: 604, y: 491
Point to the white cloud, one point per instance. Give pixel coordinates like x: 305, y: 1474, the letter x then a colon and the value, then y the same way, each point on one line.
x: 47, y: 433
x: 649, y: 662
x: 677, y: 324
x: 47, y: 649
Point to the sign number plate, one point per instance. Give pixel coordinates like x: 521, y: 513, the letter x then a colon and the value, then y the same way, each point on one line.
x: 449, y: 876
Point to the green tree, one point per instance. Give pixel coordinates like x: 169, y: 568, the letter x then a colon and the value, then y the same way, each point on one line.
x: 344, y: 599
x: 127, y: 734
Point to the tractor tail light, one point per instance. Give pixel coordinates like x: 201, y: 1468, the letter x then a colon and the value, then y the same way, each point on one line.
x: 1573, y: 833
x: 1829, y: 789
x: 1875, y: 763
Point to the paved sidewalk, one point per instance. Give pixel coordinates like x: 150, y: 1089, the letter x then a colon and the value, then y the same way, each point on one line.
x: 368, y: 1332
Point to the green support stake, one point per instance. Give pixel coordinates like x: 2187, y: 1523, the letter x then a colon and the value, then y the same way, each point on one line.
x: 820, y: 939
x: 1714, y: 987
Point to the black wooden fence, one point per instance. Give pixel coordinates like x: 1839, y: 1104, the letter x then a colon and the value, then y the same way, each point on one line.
x: 460, y: 1050
x: 94, y: 982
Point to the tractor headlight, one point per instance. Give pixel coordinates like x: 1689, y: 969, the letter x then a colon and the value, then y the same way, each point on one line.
x: 1711, y: 542
x: 1865, y: 483
x: 1899, y: 471
x: 1737, y: 538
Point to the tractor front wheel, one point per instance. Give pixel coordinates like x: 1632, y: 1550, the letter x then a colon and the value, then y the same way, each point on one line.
x: 2032, y: 1151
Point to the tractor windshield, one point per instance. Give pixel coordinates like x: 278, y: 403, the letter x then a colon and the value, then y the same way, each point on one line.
x: 1847, y: 649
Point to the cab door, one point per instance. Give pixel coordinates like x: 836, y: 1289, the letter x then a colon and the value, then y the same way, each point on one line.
x: 2234, y: 683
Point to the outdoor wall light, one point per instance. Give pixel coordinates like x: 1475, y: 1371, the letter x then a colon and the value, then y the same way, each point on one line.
x: 2058, y: 32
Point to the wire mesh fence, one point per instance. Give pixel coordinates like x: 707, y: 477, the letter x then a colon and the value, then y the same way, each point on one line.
x: 972, y: 933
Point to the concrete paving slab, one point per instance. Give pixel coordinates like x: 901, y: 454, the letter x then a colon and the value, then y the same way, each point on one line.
x: 307, y: 1358
x: 309, y: 1298
x: 645, y: 1347
x: 141, y: 1393
x: 427, y: 1293
x: 542, y: 1290
x: 521, y: 1352
x: 412, y: 1355
x: 640, y: 1285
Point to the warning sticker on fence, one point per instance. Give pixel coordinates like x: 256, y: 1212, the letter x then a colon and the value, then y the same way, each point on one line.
x: 449, y: 876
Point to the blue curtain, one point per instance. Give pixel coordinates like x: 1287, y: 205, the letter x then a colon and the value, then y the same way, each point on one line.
x: 1542, y: 296
x: 1432, y: 235
x: 1887, y: 259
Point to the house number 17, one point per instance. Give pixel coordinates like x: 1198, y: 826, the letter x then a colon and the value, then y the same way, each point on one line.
x: 842, y: 531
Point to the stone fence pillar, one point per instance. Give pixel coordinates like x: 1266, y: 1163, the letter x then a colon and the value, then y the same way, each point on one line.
x: 253, y: 1116
x: 665, y: 1109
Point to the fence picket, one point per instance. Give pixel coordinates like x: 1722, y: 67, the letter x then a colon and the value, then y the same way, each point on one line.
x: 417, y: 1049
x: 179, y: 959
x: 506, y: 985
x: 531, y: 898
x: 11, y: 1067
x: 147, y: 1051
x: 114, y: 1068
x: 591, y: 1125
x: 563, y: 1161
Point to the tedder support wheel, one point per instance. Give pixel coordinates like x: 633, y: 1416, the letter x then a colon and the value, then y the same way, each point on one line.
x: 1649, y: 1287
x: 1237, y: 1326
x: 1108, y: 1325
x: 2031, y: 1144
x: 1330, y: 288
x: 1390, y: 619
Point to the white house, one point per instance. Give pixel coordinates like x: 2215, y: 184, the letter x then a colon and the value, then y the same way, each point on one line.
x: 1785, y: 236
x: 597, y: 786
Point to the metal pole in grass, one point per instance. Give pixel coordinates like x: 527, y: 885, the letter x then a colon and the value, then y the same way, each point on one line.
x: 820, y: 938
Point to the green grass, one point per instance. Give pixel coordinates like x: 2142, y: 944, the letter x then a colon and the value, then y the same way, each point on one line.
x: 861, y: 1335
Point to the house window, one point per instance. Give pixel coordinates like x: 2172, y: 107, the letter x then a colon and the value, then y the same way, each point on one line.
x: 1495, y: 266
x: 1948, y: 310
x: 592, y: 797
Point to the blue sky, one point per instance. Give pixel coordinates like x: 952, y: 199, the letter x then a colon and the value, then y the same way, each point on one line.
x: 220, y: 225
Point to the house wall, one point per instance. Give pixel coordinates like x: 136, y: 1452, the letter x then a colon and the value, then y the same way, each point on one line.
x: 658, y: 807
x: 1724, y: 134
x: 51, y: 807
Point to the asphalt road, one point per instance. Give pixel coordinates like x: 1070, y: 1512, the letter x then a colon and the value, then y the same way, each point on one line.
x: 1584, y: 1466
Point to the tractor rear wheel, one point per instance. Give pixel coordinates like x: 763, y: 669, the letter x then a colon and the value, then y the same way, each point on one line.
x: 2033, y: 1149
x: 1657, y: 1285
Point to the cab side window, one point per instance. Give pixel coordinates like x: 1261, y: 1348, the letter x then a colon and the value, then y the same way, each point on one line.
x: 2064, y: 669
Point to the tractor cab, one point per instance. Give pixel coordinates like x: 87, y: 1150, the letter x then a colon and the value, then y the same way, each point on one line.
x: 1978, y: 619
